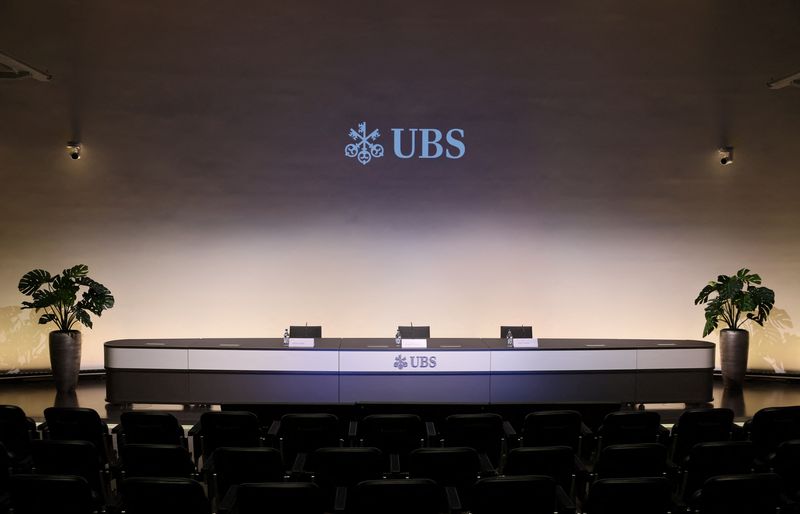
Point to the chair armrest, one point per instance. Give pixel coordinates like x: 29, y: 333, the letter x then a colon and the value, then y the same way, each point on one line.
x: 299, y: 464
x: 487, y: 468
x: 340, y: 499
x: 394, y: 463
x: 512, y: 439
x: 195, y: 430
x: 453, y: 501
x: 117, y: 429
x: 227, y: 503
x: 662, y: 435
x: 564, y: 502
x: 352, y: 431
x: 430, y: 432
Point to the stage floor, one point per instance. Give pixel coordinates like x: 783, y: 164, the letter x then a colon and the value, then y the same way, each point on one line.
x: 36, y: 394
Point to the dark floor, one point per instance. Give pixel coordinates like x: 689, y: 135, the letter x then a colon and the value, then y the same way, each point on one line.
x: 34, y: 395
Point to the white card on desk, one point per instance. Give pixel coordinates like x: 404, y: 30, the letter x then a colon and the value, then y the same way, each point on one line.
x: 414, y: 343
x: 526, y: 342
x: 301, y: 342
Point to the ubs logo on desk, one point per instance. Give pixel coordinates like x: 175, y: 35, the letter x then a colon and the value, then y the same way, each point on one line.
x: 415, y: 361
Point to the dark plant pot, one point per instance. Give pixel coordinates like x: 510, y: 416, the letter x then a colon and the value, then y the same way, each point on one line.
x: 733, y: 347
x: 65, y: 359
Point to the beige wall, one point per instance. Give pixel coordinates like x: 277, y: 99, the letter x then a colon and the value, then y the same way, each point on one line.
x: 464, y: 282
x: 214, y: 198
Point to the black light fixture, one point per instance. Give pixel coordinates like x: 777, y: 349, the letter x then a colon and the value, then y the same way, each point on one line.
x: 74, y: 150
x: 726, y: 155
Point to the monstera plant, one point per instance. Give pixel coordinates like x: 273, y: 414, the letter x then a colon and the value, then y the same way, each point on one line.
x: 66, y: 300
x: 735, y: 300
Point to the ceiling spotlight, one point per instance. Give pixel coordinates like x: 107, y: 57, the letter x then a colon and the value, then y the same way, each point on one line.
x: 726, y: 155
x: 74, y: 150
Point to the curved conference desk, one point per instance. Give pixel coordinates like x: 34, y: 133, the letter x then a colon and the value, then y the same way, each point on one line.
x: 346, y: 371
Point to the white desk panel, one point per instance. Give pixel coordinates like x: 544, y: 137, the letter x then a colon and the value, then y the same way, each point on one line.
x: 147, y: 358
x: 562, y: 360
x: 360, y: 361
x: 684, y: 358
x: 320, y: 361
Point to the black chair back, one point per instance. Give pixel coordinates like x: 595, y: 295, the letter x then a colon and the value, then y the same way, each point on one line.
x: 483, y: 432
x: 228, y: 428
x: 628, y: 427
x: 700, y: 426
x: 392, y: 433
x: 234, y: 466
x: 78, y: 423
x: 773, y: 425
x: 79, y: 458
x: 456, y: 467
x: 156, y: 460
x: 706, y: 460
x: 398, y: 496
x: 147, y: 427
x: 787, y: 465
x: 741, y: 494
x: 279, y: 498
x: 304, y: 433
x: 556, y: 462
x: 552, y: 428
x: 523, y: 494
x: 344, y: 467
x: 15, y: 433
x: 46, y: 494
x: 629, y: 496
x: 632, y: 461
x: 164, y: 496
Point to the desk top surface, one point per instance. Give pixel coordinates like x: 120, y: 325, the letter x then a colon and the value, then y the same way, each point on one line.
x: 387, y: 343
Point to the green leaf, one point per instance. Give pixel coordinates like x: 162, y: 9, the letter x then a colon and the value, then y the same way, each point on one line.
x: 33, y: 280
x: 83, y: 317
x: 47, y: 318
x: 80, y: 270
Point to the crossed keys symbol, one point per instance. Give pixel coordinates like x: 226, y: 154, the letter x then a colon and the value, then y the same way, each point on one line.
x: 364, y: 148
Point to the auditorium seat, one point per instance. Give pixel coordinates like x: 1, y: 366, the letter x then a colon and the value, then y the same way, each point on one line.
x: 786, y: 464
x: 337, y: 470
x: 706, y: 460
x: 523, y: 494
x: 651, y: 495
x: 554, y: 428
x: 238, y: 465
x: 156, y: 460
x: 149, y: 427
x: 16, y: 432
x: 455, y: 467
x: 486, y: 432
x: 298, y: 434
x: 79, y: 458
x: 396, y: 435
x: 628, y: 427
x: 163, y: 496
x: 739, y: 494
x: 228, y: 428
x: 5, y: 473
x: 771, y: 426
x: 397, y: 496
x: 49, y: 494
x: 274, y: 498
x: 637, y: 460
x: 700, y: 426
x: 558, y: 462
x: 78, y: 423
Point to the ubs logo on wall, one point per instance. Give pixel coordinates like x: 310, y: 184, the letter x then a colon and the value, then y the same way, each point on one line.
x: 422, y: 143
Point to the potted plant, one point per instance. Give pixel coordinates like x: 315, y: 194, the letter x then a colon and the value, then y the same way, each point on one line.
x: 57, y: 296
x: 739, y: 298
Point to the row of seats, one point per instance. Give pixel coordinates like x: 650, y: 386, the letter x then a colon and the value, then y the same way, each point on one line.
x: 483, y: 457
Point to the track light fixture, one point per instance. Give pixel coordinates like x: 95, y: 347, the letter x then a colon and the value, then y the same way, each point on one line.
x: 74, y: 150
x: 726, y: 155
